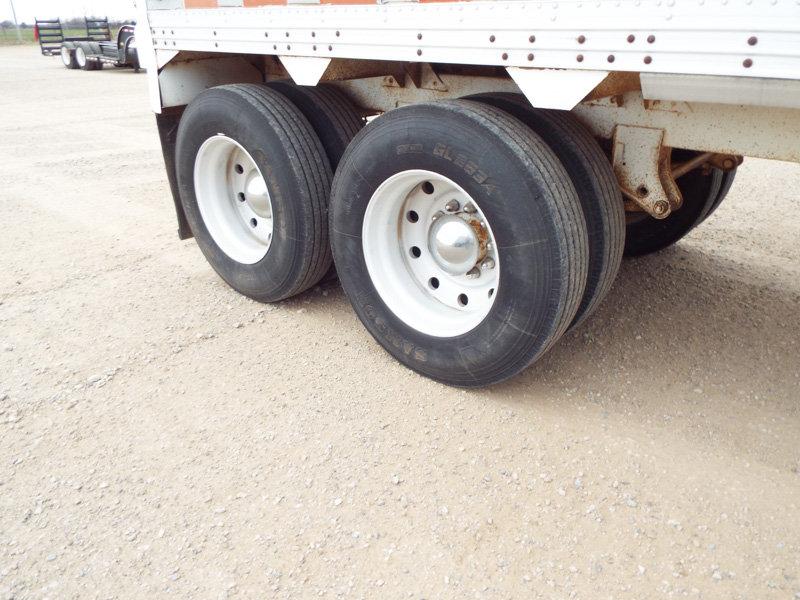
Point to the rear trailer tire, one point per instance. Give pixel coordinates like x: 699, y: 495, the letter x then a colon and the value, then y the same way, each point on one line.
x: 594, y: 180
x: 426, y: 191
x: 254, y: 183
x: 645, y: 234
x: 724, y: 188
x: 334, y: 118
x: 332, y: 115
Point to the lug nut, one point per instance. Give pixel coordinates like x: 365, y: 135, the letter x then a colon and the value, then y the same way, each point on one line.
x: 473, y: 273
x: 470, y: 208
x: 488, y: 263
x: 436, y: 215
x: 452, y: 206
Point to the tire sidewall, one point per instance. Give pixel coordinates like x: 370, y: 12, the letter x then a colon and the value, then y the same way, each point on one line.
x: 530, y: 249
x: 77, y: 59
x: 207, y: 117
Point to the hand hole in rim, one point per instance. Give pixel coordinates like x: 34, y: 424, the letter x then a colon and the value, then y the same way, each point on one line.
x: 415, y: 252
x: 463, y: 300
x: 239, y: 169
x: 427, y: 187
x: 433, y: 282
x: 253, y: 223
x: 241, y: 196
x: 412, y: 216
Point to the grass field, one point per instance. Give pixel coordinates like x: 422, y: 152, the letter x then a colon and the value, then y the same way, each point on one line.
x: 8, y: 37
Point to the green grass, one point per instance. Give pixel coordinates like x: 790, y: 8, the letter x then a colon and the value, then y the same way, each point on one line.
x: 8, y: 37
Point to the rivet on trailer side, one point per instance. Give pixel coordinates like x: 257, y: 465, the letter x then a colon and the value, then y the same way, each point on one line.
x: 518, y: 149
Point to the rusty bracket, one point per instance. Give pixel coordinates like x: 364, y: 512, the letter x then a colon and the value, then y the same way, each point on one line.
x: 644, y: 171
x: 421, y: 75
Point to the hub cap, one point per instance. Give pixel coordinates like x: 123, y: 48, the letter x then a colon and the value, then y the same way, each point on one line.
x: 453, y: 244
x: 233, y: 199
x: 430, y: 253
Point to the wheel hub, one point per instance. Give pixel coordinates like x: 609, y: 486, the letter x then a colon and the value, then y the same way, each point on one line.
x: 233, y: 199
x: 454, y: 244
x: 431, y: 253
x: 256, y: 195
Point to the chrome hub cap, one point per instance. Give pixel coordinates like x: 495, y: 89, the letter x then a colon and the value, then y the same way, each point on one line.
x: 454, y: 244
x: 430, y: 253
x: 233, y: 199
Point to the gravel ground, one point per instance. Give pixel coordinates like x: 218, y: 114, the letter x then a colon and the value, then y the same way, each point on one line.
x: 162, y: 436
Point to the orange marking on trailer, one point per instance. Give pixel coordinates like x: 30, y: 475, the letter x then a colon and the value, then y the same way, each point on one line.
x: 263, y: 2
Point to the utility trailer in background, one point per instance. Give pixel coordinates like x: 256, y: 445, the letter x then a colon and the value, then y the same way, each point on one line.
x: 51, y: 34
x: 91, y: 55
x: 520, y: 149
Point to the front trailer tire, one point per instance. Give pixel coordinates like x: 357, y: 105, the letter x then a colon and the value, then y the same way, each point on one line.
x: 68, y: 55
x: 529, y: 204
x: 291, y: 161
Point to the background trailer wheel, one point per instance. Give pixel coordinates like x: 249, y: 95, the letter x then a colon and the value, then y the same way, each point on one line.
x: 80, y: 57
x: 459, y: 239
x: 702, y: 193
x: 254, y: 183
x: 594, y: 180
x: 68, y: 56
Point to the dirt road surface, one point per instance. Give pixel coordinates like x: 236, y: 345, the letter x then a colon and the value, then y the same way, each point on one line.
x: 162, y: 436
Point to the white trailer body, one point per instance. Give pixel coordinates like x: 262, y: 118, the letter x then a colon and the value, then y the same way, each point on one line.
x: 670, y: 89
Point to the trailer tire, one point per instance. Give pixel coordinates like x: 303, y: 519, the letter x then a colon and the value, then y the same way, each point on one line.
x: 332, y: 115
x: 132, y: 54
x: 480, y: 164
x: 594, y: 180
x: 68, y: 56
x: 81, y: 60
x: 247, y: 158
x: 724, y: 188
x: 645, y: 234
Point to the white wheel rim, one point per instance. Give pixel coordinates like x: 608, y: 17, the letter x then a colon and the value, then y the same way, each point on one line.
x: 65, y: 57
x: 233, y: 199
x: 430, y: 253
x: 80, y: 57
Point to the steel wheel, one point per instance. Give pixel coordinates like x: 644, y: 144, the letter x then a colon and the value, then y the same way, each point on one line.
x: 430, y: 253
x: 254, y: 184
x: 66, y: 57
x: 80, y: 57
x: 233, y: 199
